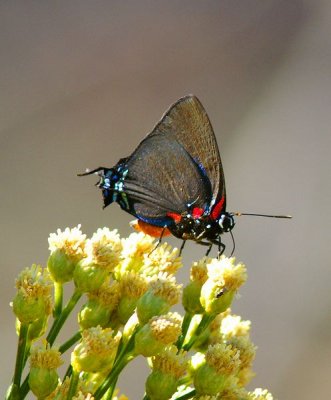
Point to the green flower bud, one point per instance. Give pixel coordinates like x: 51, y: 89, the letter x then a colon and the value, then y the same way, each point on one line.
x: 212, y: 371
x: 100, y: 305
x: 60, y: 266
x: 168, y: 367
x: 96, y: 351
x: 191, y: 298
x: 159, y: 332
x: 132, y: 287
x: 43, y: 377
x: 160, y: 386
x: 208, y: 381
x: 150, y: 305
x: 33, y: 298
x: 163, y: 292
x: 88, y: 277
x: 43, y: 381
x: 214, y: 298
x: 93, y: 313
x: 67, y: 248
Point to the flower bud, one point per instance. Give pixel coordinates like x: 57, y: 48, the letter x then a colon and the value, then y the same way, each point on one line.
x: 210, y: 375
x: 101, y: 303
x: 88, y: 276
x: 43, y: 377
x: 67, y: 248
x: 33, y: 298
x: 134, y: 249
x: 132, y: 287
x: 96, y: 351
x: 159, y: 332
x: 168, y: 367
x: 224, y: 279
x: 163, y: 292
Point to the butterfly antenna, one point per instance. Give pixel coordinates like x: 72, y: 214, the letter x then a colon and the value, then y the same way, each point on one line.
x: 238, y: 214
x: 234, y: 244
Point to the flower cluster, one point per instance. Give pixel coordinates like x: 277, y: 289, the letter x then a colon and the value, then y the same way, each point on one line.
x: 129, y: 289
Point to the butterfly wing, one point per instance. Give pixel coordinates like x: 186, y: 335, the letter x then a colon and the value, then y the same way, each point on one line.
x: 163, y: 178
x: 187, y: 122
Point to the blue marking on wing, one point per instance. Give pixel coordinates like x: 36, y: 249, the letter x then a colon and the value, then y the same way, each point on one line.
x: 161, y: 222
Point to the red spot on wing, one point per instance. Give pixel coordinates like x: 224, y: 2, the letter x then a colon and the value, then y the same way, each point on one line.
x: 197, y: 212
x: 176, y: 217
x: 218, y: 208
x: 151, y: 230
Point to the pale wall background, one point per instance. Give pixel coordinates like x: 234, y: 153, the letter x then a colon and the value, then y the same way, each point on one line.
x: 82, y: 82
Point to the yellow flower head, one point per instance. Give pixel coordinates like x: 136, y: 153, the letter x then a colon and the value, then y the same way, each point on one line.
x: 33, y: 300
x: 170, y: 362
x: 165, y: 286
x: 137, y: 245
x: 96, y: 350
x: 166, y: 328
x: 42, y: 356
x: 70, y: 241
x: 104, y: 248
x: 132, y: 284
x: 226, y: 271
x: 162, y: 259
x: 199, y: 272
x: 108, y: 294
x: 233, y: 325
x: 225, y: 359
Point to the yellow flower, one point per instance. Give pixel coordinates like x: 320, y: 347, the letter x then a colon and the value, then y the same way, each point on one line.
x: 101, y: 303
x: 104, y: 248
x: 132, y: 287
x: 162, y: 259
x: 163, y: 292
x: 233, y: 325
x: 224, y: 279
x: 70, y: 241
x: 96, y: 351
x: 67, y: 248
x: 159, y: 332
x: 135, y: 247
x: 212, y: 370
x: 168, y: 367
x: 33, y: 299
x: 43, y: 377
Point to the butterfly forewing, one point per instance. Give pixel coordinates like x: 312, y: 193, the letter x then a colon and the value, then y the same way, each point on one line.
x: 187, y: 122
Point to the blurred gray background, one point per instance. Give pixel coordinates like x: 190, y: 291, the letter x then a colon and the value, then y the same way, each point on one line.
x: 82, y: 82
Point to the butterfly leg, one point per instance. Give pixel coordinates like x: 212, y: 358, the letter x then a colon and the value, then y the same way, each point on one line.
x: 182, y: 247
x: 159, y: 241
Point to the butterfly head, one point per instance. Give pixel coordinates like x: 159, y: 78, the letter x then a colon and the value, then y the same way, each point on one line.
x: 226, y: 222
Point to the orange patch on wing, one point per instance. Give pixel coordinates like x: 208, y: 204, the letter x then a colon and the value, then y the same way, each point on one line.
x: 151, y: 230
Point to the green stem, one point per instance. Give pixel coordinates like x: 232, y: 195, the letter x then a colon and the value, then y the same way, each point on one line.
x: 58, y: 299
x: 20, y: 356
x: 112, y: 377
x: 185, y: 325
x: 66, y: 345
x: 73, y: 385
x: 123, y: 356
x: 58, y: 323
x: 68, y: 372
x: 204, y: 323
x: 187, y: 396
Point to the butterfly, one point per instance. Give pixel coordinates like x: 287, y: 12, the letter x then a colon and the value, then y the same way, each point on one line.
x: 173, y: 182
